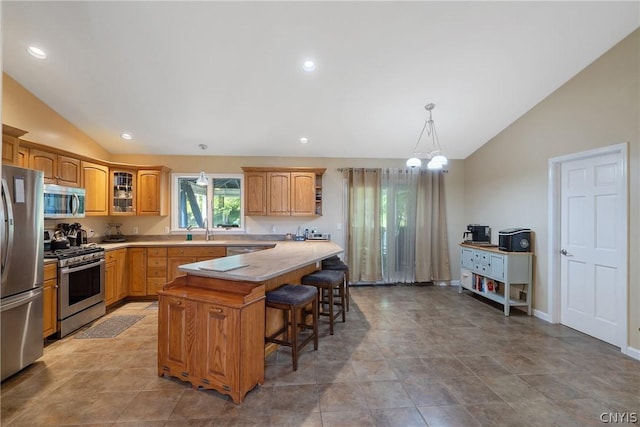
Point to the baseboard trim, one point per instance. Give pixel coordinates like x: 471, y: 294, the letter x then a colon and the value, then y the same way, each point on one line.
x: 454, y: 283
x: 633, y: 353
x: 542, y: 315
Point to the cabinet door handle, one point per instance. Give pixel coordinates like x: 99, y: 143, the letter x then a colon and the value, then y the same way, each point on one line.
x: 216, y: 310
x: 176, y: 302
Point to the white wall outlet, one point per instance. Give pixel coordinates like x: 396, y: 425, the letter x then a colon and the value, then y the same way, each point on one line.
x: 166, y: 230
x: 135, y: 230
x: 339, y: 226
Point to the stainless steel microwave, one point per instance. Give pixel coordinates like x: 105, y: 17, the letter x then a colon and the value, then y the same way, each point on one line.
x: 63, y: 202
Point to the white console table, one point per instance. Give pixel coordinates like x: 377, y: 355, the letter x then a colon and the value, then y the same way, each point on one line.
x: 495, y: 274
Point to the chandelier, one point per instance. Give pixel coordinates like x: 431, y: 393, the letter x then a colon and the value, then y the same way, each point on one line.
x: 436, y: 160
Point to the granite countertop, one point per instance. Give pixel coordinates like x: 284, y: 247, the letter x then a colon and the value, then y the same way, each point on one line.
x: 263, y: 265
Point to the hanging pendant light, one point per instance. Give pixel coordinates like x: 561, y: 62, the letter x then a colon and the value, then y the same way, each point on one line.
x: 437, y: 160
x: 202, y: 179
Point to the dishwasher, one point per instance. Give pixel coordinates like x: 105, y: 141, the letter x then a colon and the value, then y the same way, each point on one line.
x: 238, y: 250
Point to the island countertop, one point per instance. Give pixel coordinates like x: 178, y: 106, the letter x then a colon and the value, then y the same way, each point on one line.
x: 266, y: 264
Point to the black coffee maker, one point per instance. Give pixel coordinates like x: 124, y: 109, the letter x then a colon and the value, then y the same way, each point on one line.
x: 477, y: 233
x: 76, y: 235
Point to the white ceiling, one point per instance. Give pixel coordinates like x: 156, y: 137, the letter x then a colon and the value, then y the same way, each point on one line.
x: 228, y: 74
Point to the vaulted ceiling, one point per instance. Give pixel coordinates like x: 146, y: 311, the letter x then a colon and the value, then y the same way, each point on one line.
x: 229, y: 74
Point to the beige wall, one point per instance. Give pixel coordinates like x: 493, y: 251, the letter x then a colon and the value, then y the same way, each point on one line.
x: 506, y: 180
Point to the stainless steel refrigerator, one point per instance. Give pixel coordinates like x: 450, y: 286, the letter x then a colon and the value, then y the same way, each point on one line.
x: 22, y: 253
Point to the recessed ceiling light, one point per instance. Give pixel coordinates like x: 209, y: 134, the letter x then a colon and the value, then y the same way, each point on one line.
x: 304, y: 140
x: 309, y: 65
x: 36, y: 52
x: 126, y: 136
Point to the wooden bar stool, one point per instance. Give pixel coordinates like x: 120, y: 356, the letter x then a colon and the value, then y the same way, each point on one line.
x: 290, y: 299
x: 327, y: 281
x: 335, y: 263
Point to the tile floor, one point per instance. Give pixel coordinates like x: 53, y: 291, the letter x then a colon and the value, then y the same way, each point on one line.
x: 407, y: 356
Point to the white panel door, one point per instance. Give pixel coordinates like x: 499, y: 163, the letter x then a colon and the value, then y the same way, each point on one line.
x: 592, y: 284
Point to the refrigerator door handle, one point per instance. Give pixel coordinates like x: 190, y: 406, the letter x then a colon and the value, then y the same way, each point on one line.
x: 7, y: 242
x: 18, y: 300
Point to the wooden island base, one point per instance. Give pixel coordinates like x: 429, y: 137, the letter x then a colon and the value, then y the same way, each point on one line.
x: 211, y: 330
x: 212, y: 336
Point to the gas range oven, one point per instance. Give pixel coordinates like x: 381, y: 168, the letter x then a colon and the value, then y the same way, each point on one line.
x: 80, y: 286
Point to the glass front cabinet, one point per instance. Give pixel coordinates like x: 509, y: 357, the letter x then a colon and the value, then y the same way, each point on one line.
x: 123, y: 192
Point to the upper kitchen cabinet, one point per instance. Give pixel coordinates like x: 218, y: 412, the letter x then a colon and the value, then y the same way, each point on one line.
x: 122, y: 192
x: 140, y: 192
x: 153, y: 186
x: 283, y: 191
x: 255, y: 193
x: 11, y: 145
x: 58, y: 168
x: 95, y: 179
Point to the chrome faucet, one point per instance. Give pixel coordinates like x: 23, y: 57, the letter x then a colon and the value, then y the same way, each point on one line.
x: 205, y: 225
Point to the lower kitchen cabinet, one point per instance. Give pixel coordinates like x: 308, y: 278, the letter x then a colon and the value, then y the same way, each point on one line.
x: 156, y: 270
x: 137, y: 271
x: 115, y: 275
x: 211, y: 338
x: 50, y: 300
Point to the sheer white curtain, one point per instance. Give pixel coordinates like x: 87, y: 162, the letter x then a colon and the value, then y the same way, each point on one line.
x: 398, y: 220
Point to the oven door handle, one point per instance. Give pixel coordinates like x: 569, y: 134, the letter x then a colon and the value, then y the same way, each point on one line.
x: 67, y: 270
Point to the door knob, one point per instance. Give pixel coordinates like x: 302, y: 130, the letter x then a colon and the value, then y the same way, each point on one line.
x: 565, y: 253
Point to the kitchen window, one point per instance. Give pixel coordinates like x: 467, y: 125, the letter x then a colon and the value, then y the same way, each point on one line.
x: 220, y: 203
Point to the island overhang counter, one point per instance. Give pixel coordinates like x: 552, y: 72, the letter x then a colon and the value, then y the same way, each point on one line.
x: 212, y: 321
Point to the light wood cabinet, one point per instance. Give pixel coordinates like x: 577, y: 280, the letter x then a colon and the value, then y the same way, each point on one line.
x: 139, y: 192
x: 255, y: 184
x: 95, y: 179
x: 11, y: 145
x: 174, y: 314
x: 23, y: 157
x: 111, y: 188
x: 303, y: 194
x: 156, y: 270
x: 212, y: 338
x: 283, y: 191
x: 122, y: 192
x: 278, y: 194
x: 152, y: 192
x: 137, y: 271
x: 58, y: 169
x: 178, y: 256
x: 216, y: 325
x: 115, y: 276
x: 50, y: 300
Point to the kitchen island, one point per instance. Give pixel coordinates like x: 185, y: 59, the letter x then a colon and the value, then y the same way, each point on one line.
x: 212, y: 321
